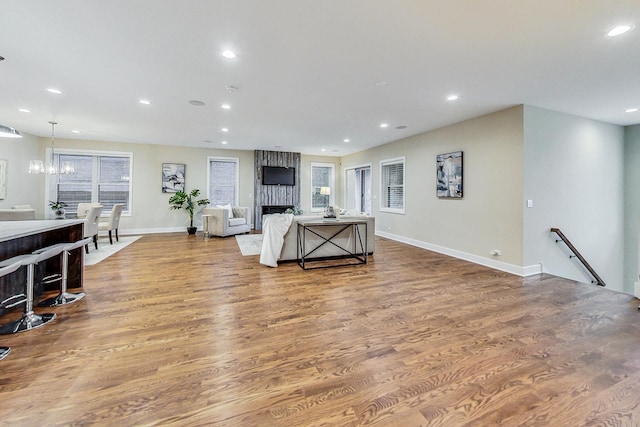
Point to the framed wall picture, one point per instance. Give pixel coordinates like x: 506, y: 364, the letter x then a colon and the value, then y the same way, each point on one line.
x: 173, y: 177
x: 3, y: 179
x: 449, y: 175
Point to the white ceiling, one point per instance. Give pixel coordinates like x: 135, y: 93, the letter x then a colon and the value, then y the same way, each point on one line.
x: 309, y: 73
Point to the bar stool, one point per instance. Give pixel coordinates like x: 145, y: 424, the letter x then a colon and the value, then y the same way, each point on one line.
x: 64, y: 297
x: 4, y: 351
x: 29, y: 319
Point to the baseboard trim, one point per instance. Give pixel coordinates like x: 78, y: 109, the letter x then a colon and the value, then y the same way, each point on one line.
x: 496, y: 265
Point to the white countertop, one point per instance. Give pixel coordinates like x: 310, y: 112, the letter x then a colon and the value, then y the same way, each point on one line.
x: 10, y: 230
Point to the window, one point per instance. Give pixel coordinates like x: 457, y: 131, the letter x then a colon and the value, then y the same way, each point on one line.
x: 100, y: 177
x: 392, y: 185
x: 322, y: 186
x: 358, y: 189
x: 223, y: 181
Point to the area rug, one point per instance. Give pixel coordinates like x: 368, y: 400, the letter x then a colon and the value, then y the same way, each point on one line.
x: 105, y: 250
x: 250, y: 244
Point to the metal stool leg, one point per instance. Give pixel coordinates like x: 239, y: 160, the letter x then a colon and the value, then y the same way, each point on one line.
x: 4, y: 351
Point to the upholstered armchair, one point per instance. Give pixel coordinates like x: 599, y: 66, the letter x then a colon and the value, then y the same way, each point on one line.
x: 91, y: 222
x: 113, y: 222
x: 228, y: 220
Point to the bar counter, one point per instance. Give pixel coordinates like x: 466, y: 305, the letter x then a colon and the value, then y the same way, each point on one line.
x: 24, y: 237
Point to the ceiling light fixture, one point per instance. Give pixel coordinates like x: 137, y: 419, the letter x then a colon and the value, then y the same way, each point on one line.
x: 37, y: 166
x: 631, y: 110
x: 196, y: 103
x: 224, y: 142
x: 145, y: 102
x: 226, y: 106
x: 75, y: 131
x: 384, y: 125
x: 229, y: 54
x: 224, y: 130
x: 8, y: 132
x: 54, y: 90
x: 346, y: 140
x: 452, y: 97
x: 24, y: 110
x: 621, y: 29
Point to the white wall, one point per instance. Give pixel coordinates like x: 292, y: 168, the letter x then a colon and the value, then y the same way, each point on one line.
x: 573, y: 172
x: 489, y: 216
x: 22, y: 188
x: 632, y: 206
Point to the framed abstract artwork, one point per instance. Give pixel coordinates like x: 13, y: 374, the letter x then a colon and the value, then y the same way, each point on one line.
x: 449, y: 175
x: 173, y: 177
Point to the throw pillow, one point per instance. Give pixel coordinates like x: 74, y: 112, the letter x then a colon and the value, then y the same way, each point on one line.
x: 228, y: 207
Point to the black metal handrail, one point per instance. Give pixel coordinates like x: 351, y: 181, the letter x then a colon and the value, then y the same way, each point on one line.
x: 577, y: 254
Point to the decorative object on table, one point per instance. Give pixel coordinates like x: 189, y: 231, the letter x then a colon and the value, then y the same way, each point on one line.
x: 188, y: 202
x: 295, y: 210
x: 3, y: 179
x: 329, y: 212
x: 58, y: 208
x: 173, y: 177
x: 449, y: 175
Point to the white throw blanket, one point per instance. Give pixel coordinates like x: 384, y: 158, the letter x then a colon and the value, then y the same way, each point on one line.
x: 274, y: 227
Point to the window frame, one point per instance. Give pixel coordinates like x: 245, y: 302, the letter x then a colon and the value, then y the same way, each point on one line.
x: 384, y: 186
x: 332, y: 185
x: 52, y: 180
x: 235, y: 160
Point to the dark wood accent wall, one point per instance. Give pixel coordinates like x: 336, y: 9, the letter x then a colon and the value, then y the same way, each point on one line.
x: 274, y: 194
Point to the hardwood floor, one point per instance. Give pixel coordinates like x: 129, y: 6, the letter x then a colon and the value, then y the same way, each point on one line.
x: 178, y: 331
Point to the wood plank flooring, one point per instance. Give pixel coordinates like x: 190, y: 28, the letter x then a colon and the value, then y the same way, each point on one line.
x: 179, y: 331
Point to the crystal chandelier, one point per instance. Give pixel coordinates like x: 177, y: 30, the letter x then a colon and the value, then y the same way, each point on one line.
x: 38, y: 167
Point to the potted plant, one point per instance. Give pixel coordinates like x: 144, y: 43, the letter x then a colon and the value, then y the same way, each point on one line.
x: 187, y: 201
x: 58, y: 208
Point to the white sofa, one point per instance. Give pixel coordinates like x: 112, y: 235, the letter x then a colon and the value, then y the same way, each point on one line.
x: 17, y: 214
x: 290, y: 246
x: 227, y: 221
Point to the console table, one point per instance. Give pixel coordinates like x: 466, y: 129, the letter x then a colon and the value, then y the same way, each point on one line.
x: 344, y: 235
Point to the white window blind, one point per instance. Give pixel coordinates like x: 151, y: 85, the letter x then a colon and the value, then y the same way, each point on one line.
x: 223, y: 181
x: 392, y: 185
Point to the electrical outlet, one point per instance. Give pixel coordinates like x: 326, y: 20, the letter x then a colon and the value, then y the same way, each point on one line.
x: 495, y: 252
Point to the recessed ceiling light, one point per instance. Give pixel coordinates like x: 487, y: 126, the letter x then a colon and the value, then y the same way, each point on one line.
x: 631, y: 110
x: 224, y: 142
x: 226, y: 106
x: 229, y: 54
x: 54, y: 90
x: 231, y: 88
x: 346, y: 140
x: 401, y: 127
x: 196, y: 103
x: 323, y: 149
x: 384, y: 125
x: 75, y: 131
x: 145, y: 102
x: 208, y: 141
x: 452, y: 97
x: 224, y: 130
x: 619, y: 30
x: 24, y: 110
